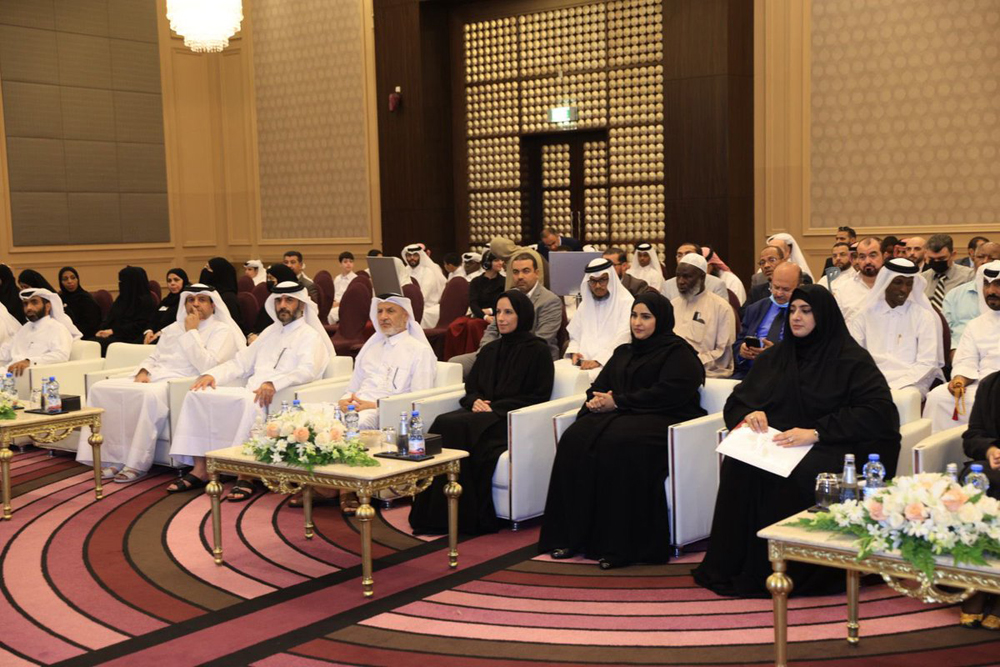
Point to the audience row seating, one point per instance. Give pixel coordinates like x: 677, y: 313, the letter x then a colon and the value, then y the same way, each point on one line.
x: 935, y: 452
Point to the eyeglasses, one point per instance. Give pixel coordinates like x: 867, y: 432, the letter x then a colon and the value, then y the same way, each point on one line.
x: 768, y: 260
x: 603, y: 280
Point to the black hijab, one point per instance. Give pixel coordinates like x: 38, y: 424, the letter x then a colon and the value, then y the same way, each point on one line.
x: 171, y: 300
x: 34, y: 279
x: 80, y: 305
x: 281, y: 274
x: 10, y: 294
x: 525, y: 310
x: 221, y: 275
x: 134, y: 297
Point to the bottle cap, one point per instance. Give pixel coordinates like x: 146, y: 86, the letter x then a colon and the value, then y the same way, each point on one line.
x: 873, y: 457
x: 416, y: 413
x: 848, y: 457
x: 296, y: 402
x: 350, y: 408
x: 976, y: 467
x: 10, y: 375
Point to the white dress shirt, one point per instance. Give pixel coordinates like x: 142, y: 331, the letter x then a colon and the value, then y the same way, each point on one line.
x: 43, y: 342
x: 340, y: 284
x: 180, y: 353
x: 398, y: 365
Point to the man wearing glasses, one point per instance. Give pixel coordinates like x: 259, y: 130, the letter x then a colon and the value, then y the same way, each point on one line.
x: 619, y: 260
x: 602, y: 322
x: 770, y: 257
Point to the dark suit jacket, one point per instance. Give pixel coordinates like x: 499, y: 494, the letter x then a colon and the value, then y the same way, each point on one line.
x: 753, y: 315
x: 567, y: 241
x: 635, y: 286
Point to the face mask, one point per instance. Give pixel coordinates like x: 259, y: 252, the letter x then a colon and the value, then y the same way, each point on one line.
x: 779, y: 305
x: 938, y: 265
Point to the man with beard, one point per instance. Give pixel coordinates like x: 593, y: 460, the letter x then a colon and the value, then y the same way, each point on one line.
x: 645, y: 265
x: 712, y: 284
x: 840, y: 259
x: 900, y: 329
x: 851, y: 291
x: 977, y: 356
x: 703, y: 319
x: 770, y: 257
x: 961, y: 305
x: 915, y: 250
x: 46, y: 338
x: 943, y: 274
x: 430, y: 278
x: 974, y: 244
x: 602, y: 322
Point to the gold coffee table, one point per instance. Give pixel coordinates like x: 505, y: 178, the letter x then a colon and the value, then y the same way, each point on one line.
x: 45, y: 430
x: 402, y: 477
x: 789, y: 543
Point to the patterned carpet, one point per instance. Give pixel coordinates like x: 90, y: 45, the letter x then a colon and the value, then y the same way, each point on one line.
x: 129, y: 580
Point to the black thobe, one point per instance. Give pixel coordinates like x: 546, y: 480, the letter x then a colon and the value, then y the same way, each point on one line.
x: 513, y: 372
x: 624, y: 452
x: 984, y: 430
x: 824, y: 381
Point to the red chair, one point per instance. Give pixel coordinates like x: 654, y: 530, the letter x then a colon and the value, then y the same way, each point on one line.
x: 244, y: 284
x: 325, y: 281
x: 156, y: 297
x: 354, y: 309
x: 454, y: 304
x: 249, y: 309
x: 261, y: 292
x: 104, y: 300
x: 154, y: 286
x: 734, y: 301
x: 463, y: 336
x: 416, y: 297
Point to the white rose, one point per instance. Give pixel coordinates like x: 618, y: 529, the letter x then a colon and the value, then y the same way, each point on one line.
x: 970, y: 513
x: 286, y: 429
x: 322, y: 438
x: 895, y: 520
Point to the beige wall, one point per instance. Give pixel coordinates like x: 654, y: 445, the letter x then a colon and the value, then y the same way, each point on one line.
x: 210, y: 130
x: 882, y: 115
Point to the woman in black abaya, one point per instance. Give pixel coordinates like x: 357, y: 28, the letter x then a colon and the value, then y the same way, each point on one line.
x: 80, y: 304
x: 818, y: 386
x: 10, y: 294
x: 131, y: 312
x: 221, y: 275
x: 166, y: 312
x: 510, y: 373
x: 619, y: 441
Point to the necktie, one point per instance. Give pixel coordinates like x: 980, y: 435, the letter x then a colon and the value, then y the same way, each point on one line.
x: 938, y: 295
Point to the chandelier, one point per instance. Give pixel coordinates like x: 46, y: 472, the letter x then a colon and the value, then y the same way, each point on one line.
x: 205, y: 25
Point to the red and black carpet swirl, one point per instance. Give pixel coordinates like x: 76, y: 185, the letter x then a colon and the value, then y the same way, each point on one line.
x: 129, y: 580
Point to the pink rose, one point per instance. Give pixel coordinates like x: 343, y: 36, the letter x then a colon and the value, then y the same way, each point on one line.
x: 954, y: 498
x: 915, y: 512
x: 301, y: 434
x: 875, y: 509
x: 273, y: 430
x: 337, y: 433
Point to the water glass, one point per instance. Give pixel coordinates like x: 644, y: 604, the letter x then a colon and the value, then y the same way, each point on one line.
x: 36, y: 398
x: 827, y: 489
x: 389, y: 439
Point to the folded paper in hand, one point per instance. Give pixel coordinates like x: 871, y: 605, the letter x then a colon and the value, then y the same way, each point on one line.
x: 759, y: 450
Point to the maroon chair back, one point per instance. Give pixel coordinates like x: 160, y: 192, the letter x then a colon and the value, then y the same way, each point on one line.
x: 734, y: 301
x: 416, y: 297
x: 354, y: 309
x: 260, y: 292
x: 945, y: 337
x: 154, y: 286
x: 249, y: 309
x: 325, y: 281
x: 244, y: 284
x: 454, y: 301
x: 156, y: 296
x: 104, y: 300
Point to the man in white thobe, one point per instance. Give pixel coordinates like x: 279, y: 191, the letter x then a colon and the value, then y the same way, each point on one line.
x: 703, y: 319
x: 396, y: 360
x: 645, y: 265
x: 852, y: 290
x: 254, y: 269
x: 46, y: 338
x: 295, y: 349
x: 899, y: 328
x: 712, y: 283
x: 977, y: 356
x: 430, y: 278
x: 472, y: 266
x: 137, y: 408
x: 602, y: 321
x: 8, y: 325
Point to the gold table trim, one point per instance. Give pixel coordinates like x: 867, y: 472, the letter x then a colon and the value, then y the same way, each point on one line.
x: 892, y: 569
x: 281, y: 479
x: 52, y: 429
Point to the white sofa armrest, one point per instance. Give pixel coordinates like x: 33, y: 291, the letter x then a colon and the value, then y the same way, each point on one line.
x: 92, y: 378
x: 911, y: 434
x: 289, y: 393
x: 531, y: 452
x: 390, y: 407
x: 322, y: 391
x: 694, y: 477
x: 561, y: 422
x: 432, y: 406
x: 177, y: 389
x: 69, y: 374
x: 935, y: 452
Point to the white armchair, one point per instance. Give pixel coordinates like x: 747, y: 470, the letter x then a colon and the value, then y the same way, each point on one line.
x: 521, y: 478
x: 120, y: 361
x: 84, y: 357
x: 337, y: 369
x: 912, y: 429
x: 935, y: 452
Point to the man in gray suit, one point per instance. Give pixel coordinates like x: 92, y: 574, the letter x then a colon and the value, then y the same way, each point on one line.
x: 942, y: 274
x: 548, y: 310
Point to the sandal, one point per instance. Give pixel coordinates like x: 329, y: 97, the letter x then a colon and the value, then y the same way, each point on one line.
x: 128, y: 475
x: 562, y: 554
x: 109, y: 472
x: 188, y: 482
x: 349, y: 504
x: 242, y: 490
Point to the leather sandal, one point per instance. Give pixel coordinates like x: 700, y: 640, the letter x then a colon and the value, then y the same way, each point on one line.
x: 188, y: 482
x: 129, y: 475
x: 243, y: 490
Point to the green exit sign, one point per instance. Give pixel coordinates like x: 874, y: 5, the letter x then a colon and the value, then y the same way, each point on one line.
x: 564, y: 114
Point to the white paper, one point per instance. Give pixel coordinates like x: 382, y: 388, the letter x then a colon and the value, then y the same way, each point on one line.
x: 759, y: 450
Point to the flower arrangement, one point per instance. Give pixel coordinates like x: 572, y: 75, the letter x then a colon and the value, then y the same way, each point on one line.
x: 920, y: 516
x: 7, y: 404
x: 306, y: 438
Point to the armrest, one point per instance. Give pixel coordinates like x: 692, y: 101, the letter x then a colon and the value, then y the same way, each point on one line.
x: 390, y: 407
x: 177, y: 389
x: 531, y: 453
x: 432, y: 406
x: 92, y: 378
x: 562, y: 421
x: 69, y: 374
x: 289, y: 393
x: 322, y: 391
x: 694, y: 477
x: 911, y: 434
x: 934, y: 453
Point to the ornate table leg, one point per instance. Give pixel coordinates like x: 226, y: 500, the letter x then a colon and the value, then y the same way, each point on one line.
x: 5, y: 456
x: 307, y: 510
x: 214, y: 491
x: 365, y: 514
x: 453, y: 490
x: 96, y: 440
x: 853, y: 582
x: 780, y: 585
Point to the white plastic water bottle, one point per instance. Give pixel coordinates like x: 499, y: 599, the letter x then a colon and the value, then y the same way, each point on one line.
x: 284, y: 407
x: 977, y: 478
x: 416, y: 435
x: 849, y: 480
x: 9, y: 387
x: 297, y: 406
x: 874, y: 473
x: 952, y: 472
x: 351, y: 423
x: 53, y: 401
x: 43, y: 395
